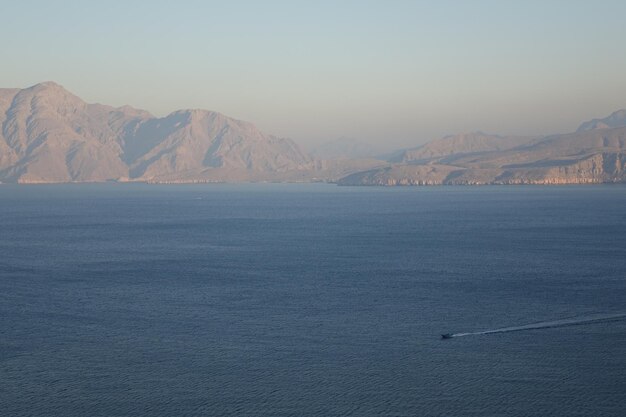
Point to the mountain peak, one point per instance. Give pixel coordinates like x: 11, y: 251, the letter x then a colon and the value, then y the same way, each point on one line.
x: 49, y: 83
x: 52, y: 91
x: 46, y: 85
x: 615, y: 119
x: 195, y: 113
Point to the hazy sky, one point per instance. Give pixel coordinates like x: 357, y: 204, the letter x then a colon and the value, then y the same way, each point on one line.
x: 394, y: 72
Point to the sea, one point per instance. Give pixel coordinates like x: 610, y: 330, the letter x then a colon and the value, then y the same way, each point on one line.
x: 312, y: 300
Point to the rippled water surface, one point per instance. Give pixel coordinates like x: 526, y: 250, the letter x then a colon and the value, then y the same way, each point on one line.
x: 280, y: 300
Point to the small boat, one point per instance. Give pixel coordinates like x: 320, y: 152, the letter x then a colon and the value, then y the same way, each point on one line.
x: 446, y: 336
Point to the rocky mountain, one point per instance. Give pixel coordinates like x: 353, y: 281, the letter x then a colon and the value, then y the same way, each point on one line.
x: 616, y: 119
x: 50, y: 135
x: 586, y: 156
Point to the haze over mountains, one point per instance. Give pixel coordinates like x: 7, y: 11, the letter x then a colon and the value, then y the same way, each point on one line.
x: 49, y: 135
x: 346, y: 148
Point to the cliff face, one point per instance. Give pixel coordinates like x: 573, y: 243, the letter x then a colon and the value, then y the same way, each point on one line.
x: 595, y: 169
x: 50, y: 135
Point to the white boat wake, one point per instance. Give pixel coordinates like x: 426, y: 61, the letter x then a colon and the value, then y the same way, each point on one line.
x: 546, y: 325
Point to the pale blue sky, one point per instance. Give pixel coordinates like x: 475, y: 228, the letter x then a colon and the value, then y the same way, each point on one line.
x: 394, y: 72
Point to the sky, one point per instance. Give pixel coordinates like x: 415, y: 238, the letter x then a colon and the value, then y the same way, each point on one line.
x: 392, y: 73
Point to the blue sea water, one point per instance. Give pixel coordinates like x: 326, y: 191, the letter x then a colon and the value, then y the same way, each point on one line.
x: 297, y: 300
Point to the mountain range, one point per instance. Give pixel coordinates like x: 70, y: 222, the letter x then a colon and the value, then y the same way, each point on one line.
x: 49, y: 135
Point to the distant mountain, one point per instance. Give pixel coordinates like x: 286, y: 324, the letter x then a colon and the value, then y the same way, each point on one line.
x: 616, y: 119
x: 50, y: 135
x: 345, y: 148
x: 595, y: 156
x: 461, y: 144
